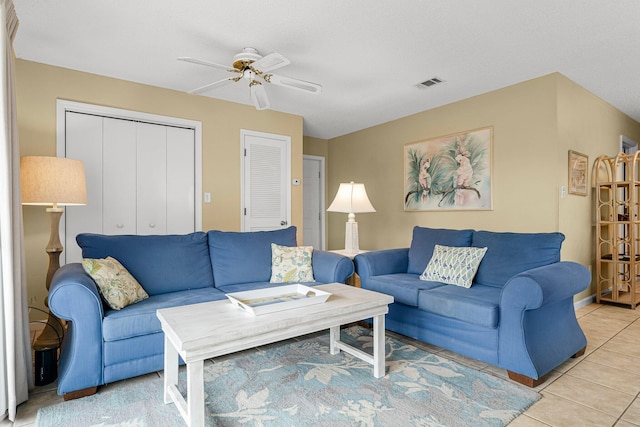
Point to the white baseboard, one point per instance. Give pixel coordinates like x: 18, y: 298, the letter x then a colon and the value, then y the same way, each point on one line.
x: 584, y: 302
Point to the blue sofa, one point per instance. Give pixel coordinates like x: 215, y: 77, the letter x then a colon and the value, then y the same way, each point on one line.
x: 518, y: 314
x: 104, y: 345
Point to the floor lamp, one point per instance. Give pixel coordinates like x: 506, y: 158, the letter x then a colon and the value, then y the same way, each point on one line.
x: 352, y: 199
x: 52, y: 181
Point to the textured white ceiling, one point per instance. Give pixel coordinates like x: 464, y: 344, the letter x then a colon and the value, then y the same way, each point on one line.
x: 367, y: 54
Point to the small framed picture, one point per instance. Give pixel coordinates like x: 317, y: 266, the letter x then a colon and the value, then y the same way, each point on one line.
x: 578, y: 173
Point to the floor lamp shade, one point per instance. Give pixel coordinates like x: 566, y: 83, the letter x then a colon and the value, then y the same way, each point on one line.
x: 52, y: 181
x: 352, y: 199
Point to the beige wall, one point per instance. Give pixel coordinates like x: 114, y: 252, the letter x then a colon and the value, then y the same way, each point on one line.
x: 534, y: 124
x: 589, y: 125
x: 316, y: 147
x: 38, y: 88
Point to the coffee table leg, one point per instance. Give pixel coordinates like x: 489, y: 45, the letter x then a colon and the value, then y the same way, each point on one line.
x: 170, y: 369
x: 378, y: 347
x: 334, y: 336
x: 195, y: 393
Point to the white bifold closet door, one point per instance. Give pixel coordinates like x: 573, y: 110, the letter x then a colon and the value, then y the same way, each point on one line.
x: 140, y: 178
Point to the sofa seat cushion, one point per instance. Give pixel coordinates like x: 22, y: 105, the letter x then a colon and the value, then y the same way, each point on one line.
x: 424, y: 240
x: 245, y: 257
x: 511, y: 253
x: 402, y: 286
x: 478, y: 304
x: 140, y: 318
x: 161, y: 264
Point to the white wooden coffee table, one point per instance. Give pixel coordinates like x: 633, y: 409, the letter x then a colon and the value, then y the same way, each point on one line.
x: 201, y: 331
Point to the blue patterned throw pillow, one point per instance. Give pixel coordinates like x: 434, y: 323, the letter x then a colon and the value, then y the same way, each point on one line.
x: 453, y: 265
x: 291, y: 264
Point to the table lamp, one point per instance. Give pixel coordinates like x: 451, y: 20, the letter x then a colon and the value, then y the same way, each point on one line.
x: 352, y: 199
x: 52, y: 181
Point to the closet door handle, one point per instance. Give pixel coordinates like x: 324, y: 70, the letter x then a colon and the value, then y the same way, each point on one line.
x: 120, y: 225
x: 152, y: 225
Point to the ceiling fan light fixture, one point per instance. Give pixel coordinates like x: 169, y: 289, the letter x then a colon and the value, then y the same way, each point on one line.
x: 249, y: 65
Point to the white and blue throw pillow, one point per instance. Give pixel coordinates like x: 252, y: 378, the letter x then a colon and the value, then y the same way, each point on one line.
x: 453, y: 265
x: 291, y: 264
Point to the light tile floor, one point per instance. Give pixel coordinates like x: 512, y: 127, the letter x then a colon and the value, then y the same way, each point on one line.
x: 601, y: 388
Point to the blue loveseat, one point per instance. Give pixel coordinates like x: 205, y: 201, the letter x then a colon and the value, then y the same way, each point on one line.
x: 518, y: 314
x: 104, y: 345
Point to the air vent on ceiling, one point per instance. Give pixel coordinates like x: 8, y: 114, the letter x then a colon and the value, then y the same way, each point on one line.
x: 430, y: 83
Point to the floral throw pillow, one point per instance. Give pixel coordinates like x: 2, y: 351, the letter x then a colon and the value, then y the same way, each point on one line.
x: 117, y: 286
x: 291, y: 264
x: 453, y: 265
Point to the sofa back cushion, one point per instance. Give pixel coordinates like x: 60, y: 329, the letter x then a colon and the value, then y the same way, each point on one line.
x: 511, y: 253
x: 160, y: 264
x: 425, y: 239
x: 245, y: 257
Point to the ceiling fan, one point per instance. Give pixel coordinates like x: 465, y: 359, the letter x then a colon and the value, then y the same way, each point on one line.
x: 249, y: 65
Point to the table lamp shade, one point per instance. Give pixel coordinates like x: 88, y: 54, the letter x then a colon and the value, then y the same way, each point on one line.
x: 52, y: 181
x: 351, y: 198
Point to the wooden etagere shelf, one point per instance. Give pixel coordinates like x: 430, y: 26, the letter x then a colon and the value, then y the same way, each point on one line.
x: 617, y: 229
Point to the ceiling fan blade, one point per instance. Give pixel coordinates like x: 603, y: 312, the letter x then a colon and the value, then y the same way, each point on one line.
x: 293, y: 83
x: 207, y: 63
x: 214, y: 85
x: 259, y: 96
x: 270, y: 62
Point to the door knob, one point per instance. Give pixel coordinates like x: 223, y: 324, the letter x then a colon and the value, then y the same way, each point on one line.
x: 283, y: 222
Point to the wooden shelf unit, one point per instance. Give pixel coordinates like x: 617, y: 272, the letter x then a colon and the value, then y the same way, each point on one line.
x: 617, y: 230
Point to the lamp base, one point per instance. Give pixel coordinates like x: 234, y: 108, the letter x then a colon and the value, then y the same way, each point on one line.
x: 351, y: 244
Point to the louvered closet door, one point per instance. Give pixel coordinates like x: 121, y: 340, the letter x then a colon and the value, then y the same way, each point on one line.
x: 266, y: 181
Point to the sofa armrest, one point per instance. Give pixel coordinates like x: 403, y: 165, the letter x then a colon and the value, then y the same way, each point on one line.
x: 538, y: 325
x: 74, y: 297
x: 329, y: 267
x: 377, y: 263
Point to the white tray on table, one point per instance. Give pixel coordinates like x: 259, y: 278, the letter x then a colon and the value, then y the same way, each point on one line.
x: 277, y: 298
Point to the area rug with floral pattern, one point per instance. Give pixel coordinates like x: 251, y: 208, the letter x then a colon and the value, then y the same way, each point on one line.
x: 299, y: 383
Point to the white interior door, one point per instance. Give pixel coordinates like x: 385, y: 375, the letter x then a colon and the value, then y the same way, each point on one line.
x: 82, y: 141
x: 266, y: 173
x: 313, y: 206
x: 181, y: 188
x: 119, y: 177
x: 151, y: 179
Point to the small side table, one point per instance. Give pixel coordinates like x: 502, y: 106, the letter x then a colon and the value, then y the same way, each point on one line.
x: 354, y: 279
